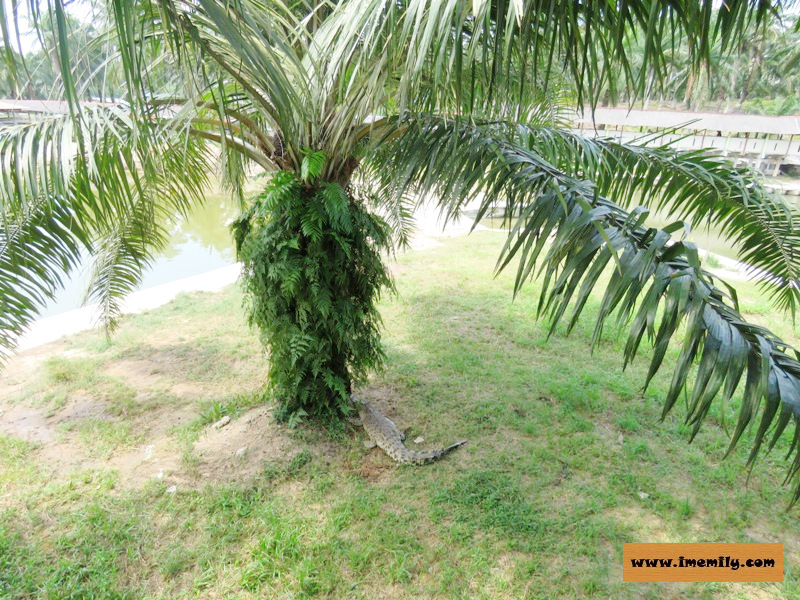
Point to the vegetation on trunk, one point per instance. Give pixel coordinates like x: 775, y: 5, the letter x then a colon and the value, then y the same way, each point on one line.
x: 313, y: 273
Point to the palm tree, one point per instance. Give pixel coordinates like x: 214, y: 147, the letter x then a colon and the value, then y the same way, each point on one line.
x: 357, y: 106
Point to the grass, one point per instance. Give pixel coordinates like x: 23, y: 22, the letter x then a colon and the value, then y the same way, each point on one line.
x: 712, y: 261
x: 566, y: 461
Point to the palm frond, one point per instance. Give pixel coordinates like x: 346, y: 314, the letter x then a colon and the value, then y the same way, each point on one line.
x: 119, y: 260
x: 698, y: 186
x: 127, y: 248
x: 567, y: 234
x: 253, y: 44
x: 486, y: 53
x: 59, y: 195
x: 394, y: 205
x: 38, y: 247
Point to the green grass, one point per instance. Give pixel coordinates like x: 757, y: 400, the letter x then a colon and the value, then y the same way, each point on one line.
x: 712, y: 261
x: 103, y: 437
x: 566, y: 461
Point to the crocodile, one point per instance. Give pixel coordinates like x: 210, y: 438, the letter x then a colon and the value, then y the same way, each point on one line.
x: 389, y: 438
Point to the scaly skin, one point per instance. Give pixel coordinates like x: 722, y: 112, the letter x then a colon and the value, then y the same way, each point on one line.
x: 388, y: 437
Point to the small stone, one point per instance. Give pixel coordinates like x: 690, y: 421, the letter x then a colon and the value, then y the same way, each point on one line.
x: 222, y: 422
x: 369, y: 444
x: 643, y: 495
x: 160, y: 474
x: 419, y: 440
x: 171, y: 489
x: 620, y: 439
x: 240, y: 452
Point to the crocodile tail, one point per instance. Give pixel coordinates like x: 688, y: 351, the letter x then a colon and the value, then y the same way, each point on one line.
x: 421, y: 458
x: 452, y: 447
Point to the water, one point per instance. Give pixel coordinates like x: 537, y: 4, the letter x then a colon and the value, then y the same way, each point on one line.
x: 198, y: 244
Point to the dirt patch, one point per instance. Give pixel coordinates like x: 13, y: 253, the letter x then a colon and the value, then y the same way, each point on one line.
x: 644, y: 526
x: 376, y: 467
x: 82, y: 408
x: 237, y: 452
x: 503, y: 568
x: 63, y: 452
x: 760, y: 530
x: 139, y: 374
x: 234, y: 454
x: 11, y: 390
x: 386, y: 400
x: 143, y: 432
x: 18, y: 369
x: 62, y: 457
x: 26, y: 424
x: 748, y: 590
x: 159, y: 455
x: 187, y: 390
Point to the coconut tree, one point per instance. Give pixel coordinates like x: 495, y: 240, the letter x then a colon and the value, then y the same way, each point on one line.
x: 356, y: 108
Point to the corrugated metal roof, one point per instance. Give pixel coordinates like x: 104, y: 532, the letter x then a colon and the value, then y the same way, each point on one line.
x: 697, y: 121
x: 39, y: 106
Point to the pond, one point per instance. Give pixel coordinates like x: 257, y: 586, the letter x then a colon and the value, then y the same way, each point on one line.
x: 198, y: 244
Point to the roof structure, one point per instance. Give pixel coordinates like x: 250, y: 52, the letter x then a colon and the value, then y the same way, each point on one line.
x: 695, y: 121
x: 39, y: 106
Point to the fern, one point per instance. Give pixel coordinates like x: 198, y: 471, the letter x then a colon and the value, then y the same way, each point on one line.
x: 313, y: 274
x: 312, y: 165
x: 337, y: 205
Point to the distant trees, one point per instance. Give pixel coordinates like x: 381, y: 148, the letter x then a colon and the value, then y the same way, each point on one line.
x: 760, y: 73
x: 40, y: 70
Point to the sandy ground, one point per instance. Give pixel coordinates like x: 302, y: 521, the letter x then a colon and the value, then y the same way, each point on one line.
x: 230, y: 453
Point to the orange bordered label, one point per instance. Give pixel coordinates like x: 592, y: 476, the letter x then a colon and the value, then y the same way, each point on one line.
x: 702, y: 562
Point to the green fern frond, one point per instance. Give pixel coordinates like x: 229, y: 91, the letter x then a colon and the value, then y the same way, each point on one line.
x: 313, y: 272
x: 337, y: 206
x: 312, y: 165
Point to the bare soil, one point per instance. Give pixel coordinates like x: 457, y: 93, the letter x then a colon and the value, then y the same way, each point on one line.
x: 233, y: 454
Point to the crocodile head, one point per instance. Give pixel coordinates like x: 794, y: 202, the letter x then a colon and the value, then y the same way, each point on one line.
x: 360, y: 405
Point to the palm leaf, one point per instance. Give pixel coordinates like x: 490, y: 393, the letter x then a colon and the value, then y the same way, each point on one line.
x: 37, y: 249
x: 699, y: 186
x: 58, y: 195
x: 128, y: 247
x: 483, y: 53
